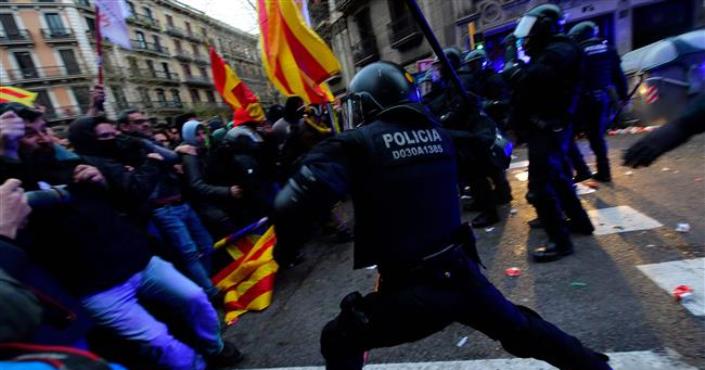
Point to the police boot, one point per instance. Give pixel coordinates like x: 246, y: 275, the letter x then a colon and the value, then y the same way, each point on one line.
x: 552, y: 251
x: 582, y: 176
x: 486, y: 218
x: 581, y: 227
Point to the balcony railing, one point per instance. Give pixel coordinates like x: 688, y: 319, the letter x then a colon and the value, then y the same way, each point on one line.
x: 58, y: 35
x: 64, y: 112
x: 154, y: 75
x: 18, y: 37
x: 201, y: 59
x: 198, y: 81
x: 365, y: 51
x: 193, y: 36
x: 175, y: 31
x: 149, y: 47
x: 404, y: 33
x: 145, y: 20
x: 183, y: 55
x: 167, y: 106
x: 45, y: 74
x: 84, y: 4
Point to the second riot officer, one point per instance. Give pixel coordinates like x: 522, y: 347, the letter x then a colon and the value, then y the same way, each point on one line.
x: 544, y: 100
x: 399, y: 167
x: 602, y: 81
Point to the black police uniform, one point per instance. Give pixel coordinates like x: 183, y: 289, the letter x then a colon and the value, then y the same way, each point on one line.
x: 401, y: 172
x: 602, y: 76
x: 544, y: 100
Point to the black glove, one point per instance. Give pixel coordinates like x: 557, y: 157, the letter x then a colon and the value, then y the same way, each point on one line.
x: 646, y: 150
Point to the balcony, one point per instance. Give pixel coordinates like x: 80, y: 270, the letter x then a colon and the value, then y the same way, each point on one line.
x: 183, y: 56
x: 46, y: 75
x: 155, y: 76
x: 68, y: 112
x: 84, y: 5
x: 365, y: 51
x: 200, y: 81
x: 145, y: 21
x: 175, y: 31
x: 150, y: 48
x: 193, y: 37
x: 58, y: 35
x: 160, y: 106
x: 201, y: 59
x: 404, y: 33
x: 16, y: 38
x: 113, y: 73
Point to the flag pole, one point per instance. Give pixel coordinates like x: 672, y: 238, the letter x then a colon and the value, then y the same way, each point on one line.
x: 99, y: 45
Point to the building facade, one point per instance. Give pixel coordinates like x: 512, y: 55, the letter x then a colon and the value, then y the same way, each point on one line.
x: 50, y: 47
x: 363, y: 31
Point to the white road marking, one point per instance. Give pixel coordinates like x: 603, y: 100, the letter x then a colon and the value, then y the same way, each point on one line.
x: 518, y: 164
x: 522, y: 176
x: 669, y: 275
x: 637, y: 360
x: 620, y: 219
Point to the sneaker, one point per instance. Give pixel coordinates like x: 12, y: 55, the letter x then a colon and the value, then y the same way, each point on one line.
x: 229, y: 356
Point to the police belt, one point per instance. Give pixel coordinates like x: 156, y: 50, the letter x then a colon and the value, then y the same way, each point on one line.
x: 435, y: 265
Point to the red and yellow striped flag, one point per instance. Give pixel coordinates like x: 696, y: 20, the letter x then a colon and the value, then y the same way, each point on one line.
x: 248, y: 281
x: 295, y: 58
x: 235, y: 92
x: 10, y: 94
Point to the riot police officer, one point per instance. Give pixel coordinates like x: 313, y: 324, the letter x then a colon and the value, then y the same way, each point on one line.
x: 544, y: 99
x: 427, y: 259
x: 603, y: 81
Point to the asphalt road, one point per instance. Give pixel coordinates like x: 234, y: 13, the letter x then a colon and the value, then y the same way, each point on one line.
x: 599, y: 294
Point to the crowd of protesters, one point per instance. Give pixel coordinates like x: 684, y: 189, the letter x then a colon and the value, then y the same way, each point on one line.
x: 124, y: 215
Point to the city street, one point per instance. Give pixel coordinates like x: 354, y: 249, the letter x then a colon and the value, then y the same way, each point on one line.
x: 614, y: 293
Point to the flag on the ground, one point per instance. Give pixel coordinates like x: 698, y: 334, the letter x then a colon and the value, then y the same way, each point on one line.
x: 248, y: 279
x: 234, y: 92
x: 295, y: 58
x: 113, y: 21
x: 10, y: 94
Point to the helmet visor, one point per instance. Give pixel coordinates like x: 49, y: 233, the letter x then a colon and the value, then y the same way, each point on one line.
x: 526, y: 23
x: 352, y: 111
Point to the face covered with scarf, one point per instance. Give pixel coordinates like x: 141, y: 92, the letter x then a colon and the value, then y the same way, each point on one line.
x: 95, y: 136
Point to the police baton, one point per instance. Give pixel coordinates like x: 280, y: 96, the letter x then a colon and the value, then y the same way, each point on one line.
x: 433, y: 41
x: 616, y: 114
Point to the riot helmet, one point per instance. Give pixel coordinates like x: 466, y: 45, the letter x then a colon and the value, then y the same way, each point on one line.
x: 455, y: 57
x: 378, y: 88
x: 476, y: 60
x: 584, y: 31
x: 538, y: 25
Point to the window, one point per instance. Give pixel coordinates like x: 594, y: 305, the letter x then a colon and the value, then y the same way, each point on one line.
x: 157, y: 43
x: 203, y: 71
x: 90, y: 24
x: 132, y: 7
x: 210, y: 96
x: 141, y: 41
x: 9, y: 25
x: 56, y: 27
x: 26, y: 64
x: 44, y: 102
x: 144, y: 95
x: 169, y: 20
x: 177, y: 45
x: 148, y: 13
x: 119, y: 95
x: 195, y: 97
x: 150, y: 68
x: 187, y: 69
x: 176, y: 95
x: 161, y: 97
x: 188, y: 28
x: 83, y: 97
x: 69, y: 62
x: 165, y: 68
x: 85, y: 3
x: 203, y: 31
x: 196, y: 52
x: 132, y: 62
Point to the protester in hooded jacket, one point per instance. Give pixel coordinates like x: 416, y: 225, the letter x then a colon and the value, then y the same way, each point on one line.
x: 212, y: 200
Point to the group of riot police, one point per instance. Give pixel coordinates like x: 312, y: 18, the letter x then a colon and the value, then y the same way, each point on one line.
x: 402, y: 165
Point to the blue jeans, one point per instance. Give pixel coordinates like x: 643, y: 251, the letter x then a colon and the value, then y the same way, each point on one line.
x: 183, y: 230
x: 119, y: 310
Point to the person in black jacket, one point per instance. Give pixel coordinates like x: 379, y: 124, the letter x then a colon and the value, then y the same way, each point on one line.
x: 99, y: 255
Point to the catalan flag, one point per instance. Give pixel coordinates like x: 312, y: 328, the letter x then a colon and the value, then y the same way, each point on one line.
x: 9, y: 94
x: 248, y: 280
x: 235, y: 92
x: 295, y: 58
